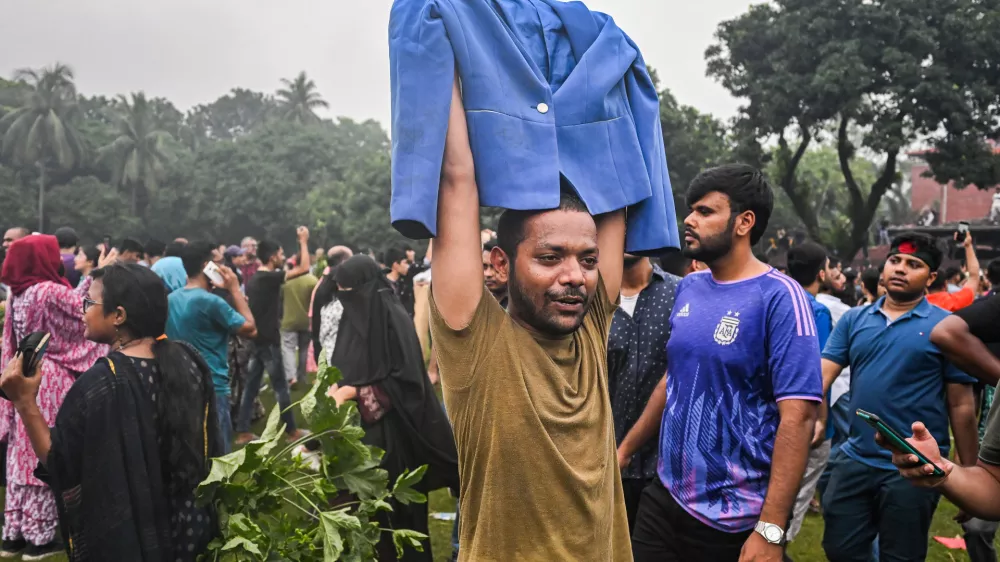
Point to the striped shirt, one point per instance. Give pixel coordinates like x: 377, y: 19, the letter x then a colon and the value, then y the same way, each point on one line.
x: 735, y: 351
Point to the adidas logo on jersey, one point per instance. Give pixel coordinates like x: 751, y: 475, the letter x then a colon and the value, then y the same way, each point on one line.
x: 685, y: 311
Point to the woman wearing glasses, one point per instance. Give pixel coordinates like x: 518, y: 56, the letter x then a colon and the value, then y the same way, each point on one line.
x: 134, y: 435
x: 41, y: 301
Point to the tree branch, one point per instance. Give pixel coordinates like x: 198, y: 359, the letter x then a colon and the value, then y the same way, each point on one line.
x: 799, y: 200
x: 845, y: 151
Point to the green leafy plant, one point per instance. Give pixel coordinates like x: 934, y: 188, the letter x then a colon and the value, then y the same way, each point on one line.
x: 274, y: 505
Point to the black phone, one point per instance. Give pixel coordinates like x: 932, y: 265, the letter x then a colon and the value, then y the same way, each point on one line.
x: 897, y: 440
x: 963, y: 229
x: 32, y: 348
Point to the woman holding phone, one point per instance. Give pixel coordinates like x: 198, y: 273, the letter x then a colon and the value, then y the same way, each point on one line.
x: 134, y: 436
x: 41, y: 301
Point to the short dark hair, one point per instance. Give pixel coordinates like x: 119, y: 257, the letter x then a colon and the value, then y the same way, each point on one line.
x: 510, y: 227
x: 939, y: 282
x: 195, y: 255
x: 747, y: 190
x: 393, y: 255
x: 993, y: 271
x: 131, y: 245
x: 155, y: 248
x: 951, y: 272
x: 66, y: 237
x: 267, y: 249
x: 870, y: 278
x: 805, y: 261
x: 174, y: 249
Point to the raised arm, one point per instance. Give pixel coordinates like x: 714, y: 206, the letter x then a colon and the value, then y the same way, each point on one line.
x: 457, y: 269
x: 611, y: 244
x: 972, y: 263
x: 304, y: 265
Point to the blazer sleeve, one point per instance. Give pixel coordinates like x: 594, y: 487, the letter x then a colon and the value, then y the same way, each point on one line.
x: 652, y: 223
x: 422, y: 70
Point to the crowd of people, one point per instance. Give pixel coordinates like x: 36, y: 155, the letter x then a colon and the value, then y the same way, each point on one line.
x: 598, y: 405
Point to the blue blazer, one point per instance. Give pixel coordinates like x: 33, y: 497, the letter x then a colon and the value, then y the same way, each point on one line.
x: 551, y: 90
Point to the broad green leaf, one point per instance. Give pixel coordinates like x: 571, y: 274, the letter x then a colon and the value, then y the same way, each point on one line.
x: 333, y: 522
x: 406, y: 538
x: 403, y: 490
x: 244, y: 543
x: 223, y: 469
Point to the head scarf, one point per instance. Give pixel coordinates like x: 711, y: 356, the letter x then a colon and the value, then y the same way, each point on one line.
x: 377, y: 345
x: 171, y: 271
x: 32, y: 260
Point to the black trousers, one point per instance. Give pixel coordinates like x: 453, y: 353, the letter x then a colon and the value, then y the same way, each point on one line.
x: 632, y: 488
x: 665, y: 532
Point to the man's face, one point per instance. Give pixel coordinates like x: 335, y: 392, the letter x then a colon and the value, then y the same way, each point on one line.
x: 130, y: 257
x: 554, y: 275
x: 402, y: 267
x: 833, y: 278
x: 218, y: 258
x: 906, y: 277
x: 11, y: 236
x: 411, y: 255
x: 250, y: 247
x: 278, y: 259
x: 496, y: 282
x: 708, y: 229
x: 239, y: 261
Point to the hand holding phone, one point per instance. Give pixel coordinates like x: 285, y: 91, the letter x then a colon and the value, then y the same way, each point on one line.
x: 214, y: 275
x: 29, y: 356
x: 895, y: 440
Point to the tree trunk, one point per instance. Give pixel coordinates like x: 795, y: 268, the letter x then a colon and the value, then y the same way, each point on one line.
x: 135, y: 199
x: 800, y: 201
x: 41, y: 197
x: 862, y: 209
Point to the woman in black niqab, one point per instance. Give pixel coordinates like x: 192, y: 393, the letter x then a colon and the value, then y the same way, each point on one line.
x: 379, y: 355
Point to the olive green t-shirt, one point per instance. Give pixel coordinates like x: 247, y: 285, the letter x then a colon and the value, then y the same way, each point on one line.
x: 536, y: 442
x: 297, y: 294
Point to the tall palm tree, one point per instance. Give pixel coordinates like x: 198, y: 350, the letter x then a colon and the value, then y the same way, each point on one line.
x: 298, y: 99
x: 40, y: 132
x: 139, y: 156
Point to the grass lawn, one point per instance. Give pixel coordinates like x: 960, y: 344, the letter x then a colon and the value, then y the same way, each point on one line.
x: 806, y: 548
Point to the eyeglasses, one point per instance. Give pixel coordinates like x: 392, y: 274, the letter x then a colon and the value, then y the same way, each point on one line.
x: 87, y: 303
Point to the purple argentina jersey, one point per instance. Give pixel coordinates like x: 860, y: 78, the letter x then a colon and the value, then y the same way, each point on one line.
x: 735, y: 351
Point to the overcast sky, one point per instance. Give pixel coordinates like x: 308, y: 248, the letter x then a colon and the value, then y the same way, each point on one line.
x: 193, y: 51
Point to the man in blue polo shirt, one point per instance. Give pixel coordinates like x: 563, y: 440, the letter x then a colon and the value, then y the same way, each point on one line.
x: 899, y: 375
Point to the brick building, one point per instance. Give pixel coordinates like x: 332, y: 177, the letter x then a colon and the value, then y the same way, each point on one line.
x: 968, y: 204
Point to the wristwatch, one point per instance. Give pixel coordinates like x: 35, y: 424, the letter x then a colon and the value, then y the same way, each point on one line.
x: 771, y: 533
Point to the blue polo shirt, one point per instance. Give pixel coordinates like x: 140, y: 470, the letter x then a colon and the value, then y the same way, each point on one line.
x: 896, y: 373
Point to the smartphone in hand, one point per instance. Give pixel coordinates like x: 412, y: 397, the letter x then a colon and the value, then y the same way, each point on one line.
x: 897, y: 441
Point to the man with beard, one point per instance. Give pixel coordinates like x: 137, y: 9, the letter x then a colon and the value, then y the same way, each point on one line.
x: 496, y: 282
x: 637, y: 359
x: 900, y: 375
x: 741, y: 391
x: 526, y: 389
x: 832, y: 285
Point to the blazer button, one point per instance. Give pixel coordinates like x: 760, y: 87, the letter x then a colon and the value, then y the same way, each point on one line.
x: 543, y: 108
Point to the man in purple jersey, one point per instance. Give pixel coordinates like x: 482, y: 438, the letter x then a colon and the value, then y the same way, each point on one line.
x: 737, y: 409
